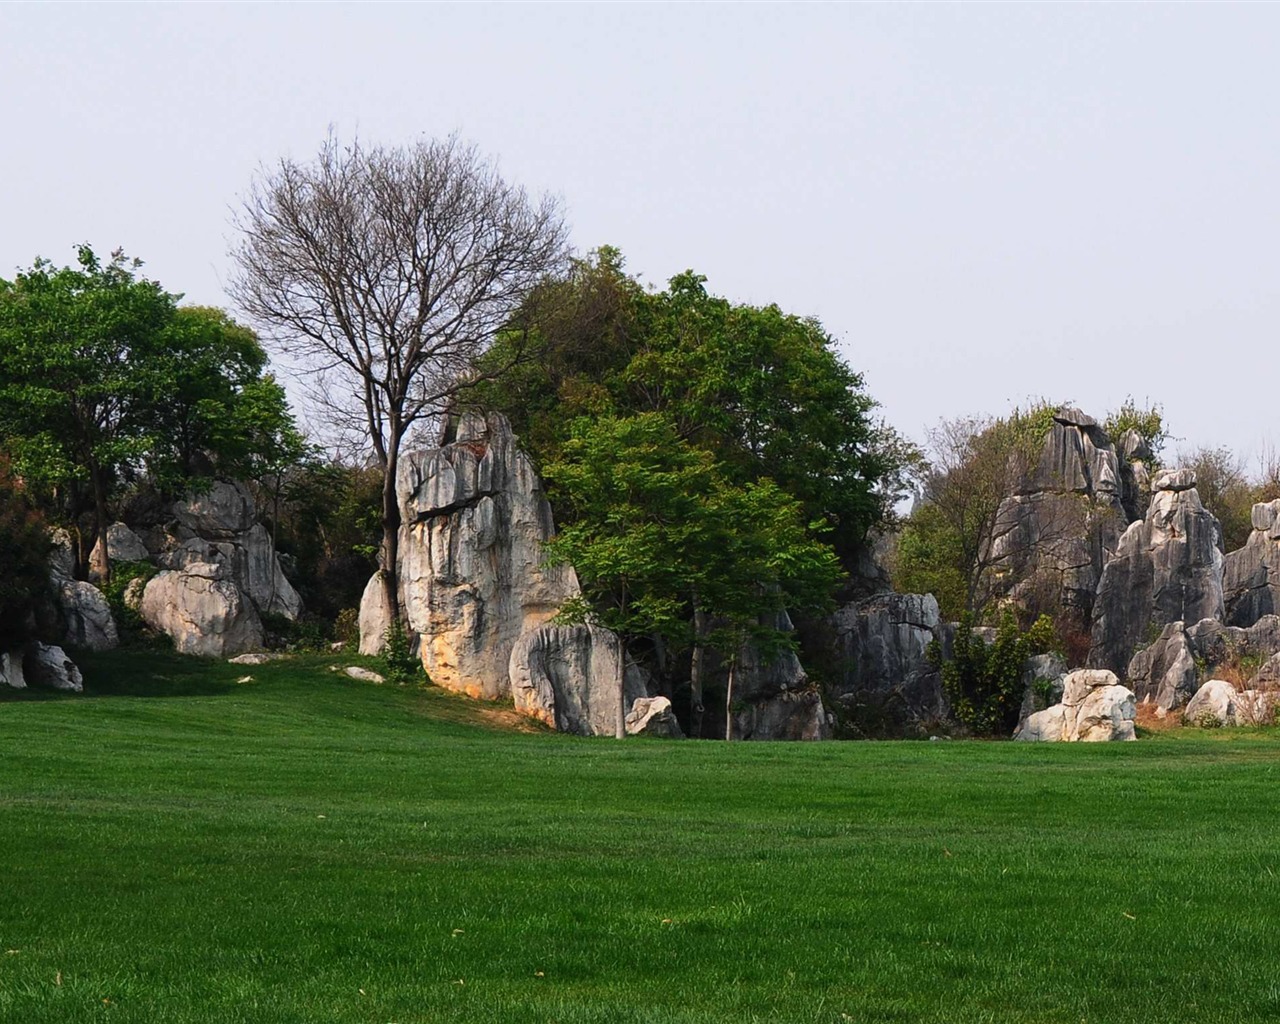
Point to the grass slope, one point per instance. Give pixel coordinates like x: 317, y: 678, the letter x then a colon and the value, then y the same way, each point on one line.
x: 308, y: 848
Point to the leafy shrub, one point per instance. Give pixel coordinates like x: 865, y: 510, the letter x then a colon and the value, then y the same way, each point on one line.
x: 24, y: 560
x: 984, y: 682
x: 346, y: 627
x: 307, y: 633
x: 400, y: 664
x: 129, y: 623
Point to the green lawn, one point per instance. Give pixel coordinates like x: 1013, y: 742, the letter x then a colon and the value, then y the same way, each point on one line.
x: 304, y: 847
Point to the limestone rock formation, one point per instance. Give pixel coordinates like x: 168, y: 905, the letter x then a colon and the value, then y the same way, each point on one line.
x: 653, y: 716
x: 202, y: 610
x: 48, y: 666
x: 123, y: 545
x: 567, y: 677
x: 794, y: 714
x: 87, y: 615
x: 62, y: 559
x: 1218, y: 703
x: 375, y: 616
x: 219, y: 527
x: 11, y: 673
x: 1167, y: 568
x: 1043, y: 681
x: 1251, y: 575
x: 1094, y: 708
x: 1165, y: 673
x: 879, y: 646
x: 1053, y: 535
x: 472, y: 572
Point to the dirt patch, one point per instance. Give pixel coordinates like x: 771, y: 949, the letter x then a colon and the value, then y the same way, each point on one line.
x: 1148, y: 720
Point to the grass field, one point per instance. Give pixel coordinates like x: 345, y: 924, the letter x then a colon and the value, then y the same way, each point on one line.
x: 304, y: 847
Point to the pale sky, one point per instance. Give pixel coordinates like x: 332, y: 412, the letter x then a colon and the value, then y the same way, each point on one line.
x: 983, y: 203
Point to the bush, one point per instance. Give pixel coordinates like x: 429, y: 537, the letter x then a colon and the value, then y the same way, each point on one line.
x: 308, y: 633
x: 129, y: 623
x: 346, y: 627
x: 400, y: 664
x: 984, y: 683
x: 24, y: 561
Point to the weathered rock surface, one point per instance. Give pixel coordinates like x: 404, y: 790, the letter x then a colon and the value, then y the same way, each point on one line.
x: 1165, y: 673
x: 1251, y: 575
x: 567, y: 677
x: 11, y: 673
x: 48, y: 666
x: 1043, y: 681
x: 256, y: 658
x: 365, y: 675
x: 1217, y: 703
x: 879, y: 646
x: 794, y: 714
x: 375, y: 616
x: 472, y: 572
x: 653, y: 716
x: 1094, y: 708
x: 87, y: 615
x: 123, y: 545
x: 62, y: 559
x: 224, y: 511
x: 203, y: 611
x: 1167, y: 568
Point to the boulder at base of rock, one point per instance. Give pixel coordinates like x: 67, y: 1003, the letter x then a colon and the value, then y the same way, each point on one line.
x: 11, y: 673
x: 1042, y: 683
x: 567, y: 677
x: 772, y: 697
x: 365, y: 675
x: 790, y: 715
x: 1218, y: 703
x: 1165, y: 673
x: 87, y: 615
x: 203, y: 612
x: 375, y: 616
x: 50, y: 667
x: 653, y: 716
x: 1094, y: 708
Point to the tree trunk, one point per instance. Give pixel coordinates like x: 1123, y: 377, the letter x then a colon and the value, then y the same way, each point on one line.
x: 697, y: 669
x: 275, y: 530
x: 620, y: 730
x: 728, y: 701
x: 390, y: 550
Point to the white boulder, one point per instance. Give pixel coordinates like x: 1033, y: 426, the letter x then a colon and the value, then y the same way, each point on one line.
x: 1094, y: 708
x: 202, y: 611
x: 653, y: 716
x: 89, y: 623
x: 49, y: 666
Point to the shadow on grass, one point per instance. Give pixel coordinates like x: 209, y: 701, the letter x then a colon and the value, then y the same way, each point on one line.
x: 153, y: 672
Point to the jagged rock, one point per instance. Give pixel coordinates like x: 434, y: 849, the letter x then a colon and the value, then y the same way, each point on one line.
x: 1217, y: 702
x: 62, y: 559
x: 567, y: 677
x: 472, y: 571
x: 1094, y: 708
x: 1042, y: 684
x: 789, y: 715
x: 365, y: 675
x: 1167, y: 568
x: 375, y: 616
x: 202, y: 611
x: 250, y: 563
x: 222, y: 512
x: 653, y: 716
x: 879, y: 645
x: 1251, y: 575
x: 133, y: 591
x: 1165, y: 673
x: 123, y: 545
x: 49, y: 666
x: 87, y: 615
x: 11, y: 673
x: 1216, y: 644
x: 1268, y: 675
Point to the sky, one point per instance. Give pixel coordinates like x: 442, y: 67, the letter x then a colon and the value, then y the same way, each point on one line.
x: 982, y: 203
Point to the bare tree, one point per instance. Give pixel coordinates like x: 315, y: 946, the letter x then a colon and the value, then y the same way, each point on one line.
x: 384, y: 272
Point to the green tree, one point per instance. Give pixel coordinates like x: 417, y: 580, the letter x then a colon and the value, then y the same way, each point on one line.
x: 24, y: 560
x: 666, y: 547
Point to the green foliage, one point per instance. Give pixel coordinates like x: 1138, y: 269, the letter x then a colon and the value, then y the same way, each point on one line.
x: 401, y: 666
x: 308, y: 632
x: 1148, y: 423
x: 346, y: 627
x: 655, y: 529
x: 129, y: 623
x: 24, y: 560
x: 984, y: 682
x: 930, y: 560
x: 763, y: 392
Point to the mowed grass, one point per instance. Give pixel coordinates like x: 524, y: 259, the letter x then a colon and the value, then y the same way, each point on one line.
x: 304, y: 847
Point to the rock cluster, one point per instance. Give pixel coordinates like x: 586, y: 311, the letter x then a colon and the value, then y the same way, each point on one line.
x: 1094, y: 708
x: 200, y: 607
x: 1218, y: 703
x: 1168, y: 568
x: 1251, y: 575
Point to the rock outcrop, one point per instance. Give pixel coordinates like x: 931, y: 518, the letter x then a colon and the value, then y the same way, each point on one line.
x: 1043, y: 682
x: 472, y: 570
x: 1168, y: 568
x: 1165, y: 673
x: 49, y: 667
x: 87, y: 616
x: 653, y: 716
x: 1094, y: 708
x: 1053, y: 535
x: 219, y: 527
x: 375, y: 616
x: 202, y: 610
x: 567, y: 677
x: 1218, y: 703
x: 1251, y: 575
x: 773, y: 697
x: 879, y: 648
x: 11, y: 673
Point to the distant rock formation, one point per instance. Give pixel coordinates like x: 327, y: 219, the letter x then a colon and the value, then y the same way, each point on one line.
x: 1251, y: 575
x: 1168, y: 568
